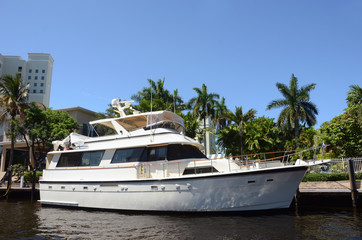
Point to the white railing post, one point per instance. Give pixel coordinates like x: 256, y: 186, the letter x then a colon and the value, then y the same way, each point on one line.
x: 195, y: 167
x: 212, y: 168
x: 178, y: 165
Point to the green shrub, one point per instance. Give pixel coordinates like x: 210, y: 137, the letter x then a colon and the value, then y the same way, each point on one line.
x: 358, y: 175
x: 323, y: 177
x: 28, y: 176
x: 18, y: 171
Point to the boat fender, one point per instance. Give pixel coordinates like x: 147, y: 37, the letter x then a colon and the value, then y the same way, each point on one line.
x: 163, y: 187
x: 95, y: 188
x: 189, y: 186
x: 73, y: 187
x: 178, y: 187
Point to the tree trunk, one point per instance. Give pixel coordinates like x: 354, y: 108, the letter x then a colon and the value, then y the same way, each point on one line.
x: 241, y: 143
x: 33, y: 167
x: 296, y: 132
x: 10, y: 171
x: 205, y: 137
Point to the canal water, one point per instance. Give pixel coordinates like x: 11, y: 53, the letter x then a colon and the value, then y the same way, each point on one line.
x: 21, y: 219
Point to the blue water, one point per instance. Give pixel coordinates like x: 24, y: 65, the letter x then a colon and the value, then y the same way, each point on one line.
x: 20, y: 219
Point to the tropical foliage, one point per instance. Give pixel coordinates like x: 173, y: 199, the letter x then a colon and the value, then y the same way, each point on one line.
x: 192, y: 125
x: 354, y: 95
x: 241, y: 132
x: 239, y: 121
x: 41, y: 127
x: 344, y: 132
x: 13, y: 102
x: 297, y: 107
x: 161, y: 98
x: 262, y: 135
x: 203, y: 106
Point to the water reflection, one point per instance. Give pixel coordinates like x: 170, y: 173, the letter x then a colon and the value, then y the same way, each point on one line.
x: 18, y: 218
x: 31, y: 221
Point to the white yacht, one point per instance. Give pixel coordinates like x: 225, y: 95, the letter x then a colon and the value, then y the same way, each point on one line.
x: 150, y: 165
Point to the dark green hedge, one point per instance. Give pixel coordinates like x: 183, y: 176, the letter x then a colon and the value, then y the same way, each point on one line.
x: 28, y: 176
x: 323, y: 177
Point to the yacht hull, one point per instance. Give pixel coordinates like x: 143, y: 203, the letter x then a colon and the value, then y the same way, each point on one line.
x: 259, y: 189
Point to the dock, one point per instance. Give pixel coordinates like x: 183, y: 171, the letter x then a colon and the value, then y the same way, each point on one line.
x: 331, y: 193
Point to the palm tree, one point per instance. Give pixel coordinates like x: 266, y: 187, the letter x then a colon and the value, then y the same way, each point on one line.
x: 228, y: 139
x: 203, y: 106
x: 13, y: 102
x: 162, y: 99
x: 240, y: 120
x: 178, y: 103
x: 192, y: 125
x: 354, y: 95
x: 220, y: 110
x: 296, y: 105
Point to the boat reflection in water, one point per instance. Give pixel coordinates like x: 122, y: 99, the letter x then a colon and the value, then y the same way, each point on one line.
x: 150, y: 165
x: 28, y: 220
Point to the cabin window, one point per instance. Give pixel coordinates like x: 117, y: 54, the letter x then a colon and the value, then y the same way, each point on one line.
x: 92, y: 158
x: 170, y: 152
x: 80, y: 159
x: 127, y: 155
x: 155, y: 154
x: 176, y: 152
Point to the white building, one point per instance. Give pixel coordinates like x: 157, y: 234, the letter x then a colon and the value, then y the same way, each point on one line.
x: 37, y: 72
x: 210, y: 137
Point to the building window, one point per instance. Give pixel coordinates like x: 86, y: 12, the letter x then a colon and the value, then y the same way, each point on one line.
x: 41, y: 91
x: 20, y: 69
x: 42, y: 78
x: 43, y: 71
x: 41, y: 84
x: 35, y: 84
x: 30, y: 70
x: 36, y: 77
x: 36, y: 70
x: 34, y: 91
x: 0, y: 65
x: 29, y: 77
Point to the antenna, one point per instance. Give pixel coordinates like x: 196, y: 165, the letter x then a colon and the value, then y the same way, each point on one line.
x: 151, y: 105
x: 174, y: 103
x: 127, y: 104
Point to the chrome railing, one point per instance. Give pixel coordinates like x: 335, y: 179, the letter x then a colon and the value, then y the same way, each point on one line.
x: 338, y: 166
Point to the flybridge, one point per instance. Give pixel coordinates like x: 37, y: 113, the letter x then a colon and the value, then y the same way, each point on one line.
x: 128, y: 123
x: 125, y: 125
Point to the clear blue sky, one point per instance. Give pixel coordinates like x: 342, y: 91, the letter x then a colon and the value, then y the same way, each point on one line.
x: 239, y: 49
